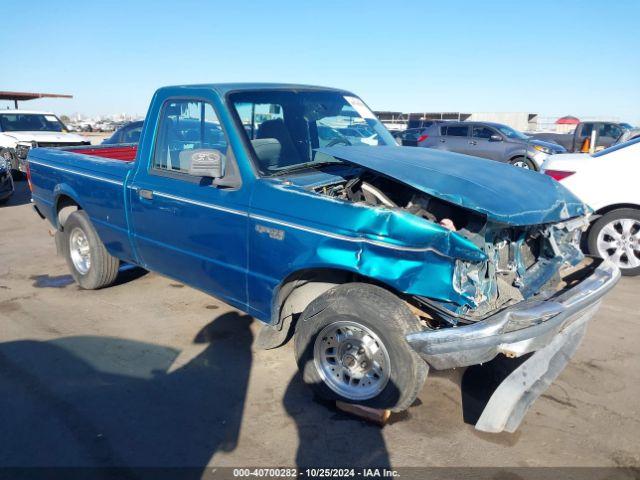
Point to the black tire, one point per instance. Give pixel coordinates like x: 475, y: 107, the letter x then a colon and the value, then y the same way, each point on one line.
x: 607, y: 218
x: 18, y: 175
x: 103, y: 268
x: 382, y: 313
x: 529, y: 164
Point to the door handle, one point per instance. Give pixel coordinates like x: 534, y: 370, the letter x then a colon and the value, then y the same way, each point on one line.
x: 442, y: 140
x: 473, y: 142
x: 146, y: 194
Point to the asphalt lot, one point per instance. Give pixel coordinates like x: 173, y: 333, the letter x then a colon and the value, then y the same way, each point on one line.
x: 153, y: 373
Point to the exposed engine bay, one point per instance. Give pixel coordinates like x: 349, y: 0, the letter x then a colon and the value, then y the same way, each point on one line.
x: 522, y: 261
x: 377, y: 190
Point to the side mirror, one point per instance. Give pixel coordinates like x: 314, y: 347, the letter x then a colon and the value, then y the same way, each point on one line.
x: 204, y: 163
x: 495, y: 138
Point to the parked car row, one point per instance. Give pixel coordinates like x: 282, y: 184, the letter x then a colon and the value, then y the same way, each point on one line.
x: 95, y: 126
x: 494, y: 141
x: 503, y: 143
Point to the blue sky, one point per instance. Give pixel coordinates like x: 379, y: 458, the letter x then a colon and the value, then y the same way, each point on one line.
x: 550, y: 57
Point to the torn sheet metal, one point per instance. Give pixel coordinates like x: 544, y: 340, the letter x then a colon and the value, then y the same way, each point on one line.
x: 505, y: 194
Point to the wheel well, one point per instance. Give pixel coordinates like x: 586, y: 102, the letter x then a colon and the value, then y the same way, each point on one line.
x: 65, y: 206
x: 603, y: 211
x: 617, y: 206
x: 299, y: 289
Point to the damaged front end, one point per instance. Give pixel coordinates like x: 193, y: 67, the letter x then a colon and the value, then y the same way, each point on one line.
x: 522, y: 262
x: 513, y: 263
x: 526, y: 290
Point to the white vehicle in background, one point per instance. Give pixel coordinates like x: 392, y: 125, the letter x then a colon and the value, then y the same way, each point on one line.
x: 21, y: 130
x: 358, y: 135
x: 608, y: 182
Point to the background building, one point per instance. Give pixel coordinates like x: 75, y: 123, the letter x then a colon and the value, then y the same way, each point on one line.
x: 519, y: 120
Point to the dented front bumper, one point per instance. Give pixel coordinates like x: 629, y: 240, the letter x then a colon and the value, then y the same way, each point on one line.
x: 523, y: 328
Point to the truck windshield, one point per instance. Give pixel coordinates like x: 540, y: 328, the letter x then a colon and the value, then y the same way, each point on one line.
x: 30, y: 122
x: 285, y: 128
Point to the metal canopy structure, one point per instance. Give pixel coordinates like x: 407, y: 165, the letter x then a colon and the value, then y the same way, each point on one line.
x: 23, y: 96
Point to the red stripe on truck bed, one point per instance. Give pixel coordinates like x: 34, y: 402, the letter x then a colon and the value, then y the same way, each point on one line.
x: 126, y: 153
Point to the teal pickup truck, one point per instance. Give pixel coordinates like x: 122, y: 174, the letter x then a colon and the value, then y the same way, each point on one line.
x: 385, y: 261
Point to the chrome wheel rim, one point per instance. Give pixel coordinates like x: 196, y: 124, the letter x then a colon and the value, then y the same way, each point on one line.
x: 619, y: 242
x: 352, y: 360
x: 80, y: 251
x: 521, y: 164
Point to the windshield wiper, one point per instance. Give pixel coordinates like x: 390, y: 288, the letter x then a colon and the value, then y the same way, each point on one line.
x: 304, y: 166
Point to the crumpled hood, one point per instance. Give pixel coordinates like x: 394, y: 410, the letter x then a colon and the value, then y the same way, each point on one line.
x: 54, y: 137
x: 506, y: 194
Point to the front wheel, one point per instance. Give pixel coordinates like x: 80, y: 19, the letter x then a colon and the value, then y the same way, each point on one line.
x: 523, y: 162
x: 616, y: 237
x: 91, y: 266
x: 350, y: 345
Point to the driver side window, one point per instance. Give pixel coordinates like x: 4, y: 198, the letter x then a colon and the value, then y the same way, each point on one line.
x: 482, y: 132
x: 186, y: 126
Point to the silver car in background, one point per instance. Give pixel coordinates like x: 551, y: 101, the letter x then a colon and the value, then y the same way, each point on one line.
x: 494, y: 141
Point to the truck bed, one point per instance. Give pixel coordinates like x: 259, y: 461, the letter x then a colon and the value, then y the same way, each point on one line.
x: 94, y: 174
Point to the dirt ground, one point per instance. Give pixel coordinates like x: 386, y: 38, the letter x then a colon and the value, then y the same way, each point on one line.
x: 151, y: 372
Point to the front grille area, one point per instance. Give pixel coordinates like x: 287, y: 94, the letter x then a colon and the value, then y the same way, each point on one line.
x: 23, y: 150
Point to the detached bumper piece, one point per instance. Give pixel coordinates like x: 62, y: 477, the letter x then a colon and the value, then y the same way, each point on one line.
x: 551, y: 328
x: 509, y: 403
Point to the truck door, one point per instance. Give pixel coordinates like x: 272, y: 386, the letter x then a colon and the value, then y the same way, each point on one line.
x: 183, y: 225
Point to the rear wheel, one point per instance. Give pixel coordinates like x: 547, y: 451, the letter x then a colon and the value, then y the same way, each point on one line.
x: 616, y: 237
x: 350, y: 345
x: 523, y: 162
x: 91, y: 265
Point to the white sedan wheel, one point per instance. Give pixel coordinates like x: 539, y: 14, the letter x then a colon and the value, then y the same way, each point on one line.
x: 619, y: 242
